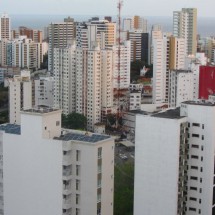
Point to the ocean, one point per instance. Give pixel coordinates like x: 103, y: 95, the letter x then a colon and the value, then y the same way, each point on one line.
x: 206, y: 25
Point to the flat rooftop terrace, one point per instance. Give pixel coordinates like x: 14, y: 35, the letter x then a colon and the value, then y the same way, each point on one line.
x: 169, y: 114
x: 91, y: 138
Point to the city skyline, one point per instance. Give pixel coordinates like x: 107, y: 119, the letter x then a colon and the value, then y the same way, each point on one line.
x: 86, y: 7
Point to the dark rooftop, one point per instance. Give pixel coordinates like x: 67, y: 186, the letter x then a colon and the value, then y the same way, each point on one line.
x: 169, y: 114
x: 200, y: 102
x: 11, y: 128
x: 83, y: 137
x: 91, y: 138
x: 40, y: 109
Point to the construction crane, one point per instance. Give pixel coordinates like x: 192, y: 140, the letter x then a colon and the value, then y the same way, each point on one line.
x: 118, y: 115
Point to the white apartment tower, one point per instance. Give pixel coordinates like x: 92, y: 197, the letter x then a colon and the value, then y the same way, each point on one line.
x: 77, y: 177
x: 59, y: 36
x: 44, y: 91
x: 83, y: 81
x: 168, y: 54
x: 127, y: 24
x: 175, y: 156
x: 5, y: 27
x: 101, y: 31
x: 125, y: 57
x: 94, y: 87
x: 20, y: 95
x: 185, y: 26
x: 181, y: 87
x: 159, y: 70
x: 64, y: 78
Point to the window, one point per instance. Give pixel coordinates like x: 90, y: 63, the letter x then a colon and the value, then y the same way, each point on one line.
x: 194, y: 146
x: 203, y: 137
x: 195, y: 135
x: 192, y: 209
x: 77, y: 199
x: 194, y: 167
x: 195, y: 156
x: 78, y: 170
x: 57, y: 123
x: 194, y: 178
x: 77, y: 184
x: 100, y: 153
x: 193, y: 199
x: 196, y: 124
x: 78, y: 155
x: 193, y: 188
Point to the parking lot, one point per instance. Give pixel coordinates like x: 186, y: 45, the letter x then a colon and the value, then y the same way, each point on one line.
x: 123, y: 153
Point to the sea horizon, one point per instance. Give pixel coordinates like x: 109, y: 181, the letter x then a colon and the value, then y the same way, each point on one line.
x: 206, y: 25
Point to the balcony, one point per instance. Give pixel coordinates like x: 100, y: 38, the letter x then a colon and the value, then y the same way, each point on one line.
x: 67, y: 203
x: 67, y: 171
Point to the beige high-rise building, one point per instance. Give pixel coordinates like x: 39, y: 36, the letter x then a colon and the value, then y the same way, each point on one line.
x: 185, y: 26
x: 5, y: 27
x: 168, y: 54
x: 139, y: 23
x: 59, y: 36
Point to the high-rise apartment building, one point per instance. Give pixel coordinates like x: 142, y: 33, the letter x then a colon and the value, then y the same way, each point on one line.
x: 156, y: 33
x: 139, y: 45
x: 127, y: 24
x: 168, y: 54
x: 175, y: 155
x: 44, y: 91
x: 34, y: 35
x: 64, y: 78
x: 5, y: 27
x: 139, y: 23
x: 20, y: 95
x: 61, y: 172
x: 83, y: 81
x: 181, y: 87
x: 185, y: 26
x: 101, y: 31
x: 21, y: 52
x: 124, y: 61
x: 59, y: 36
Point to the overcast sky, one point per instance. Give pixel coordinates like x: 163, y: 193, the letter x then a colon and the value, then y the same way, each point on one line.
x: 106, y: 7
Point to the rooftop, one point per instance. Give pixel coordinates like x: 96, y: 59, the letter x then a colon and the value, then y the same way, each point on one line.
x: 40, y: 109
x: 11, y: 128
x: 91, y: 138
x: 200, y: 102
x: 169, y: 114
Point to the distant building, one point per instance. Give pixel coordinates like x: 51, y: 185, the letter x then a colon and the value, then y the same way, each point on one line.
x: 139, y: 45
x: 206, y: 81
x: 181, y: 87
x: 59, y: 36
x: 5, y: 27
x: 185, y: 26
x: 139, y: 23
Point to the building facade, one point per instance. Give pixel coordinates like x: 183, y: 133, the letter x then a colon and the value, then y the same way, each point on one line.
x: 75, y: 178
x: 175, y: 155
x: 185, y: 26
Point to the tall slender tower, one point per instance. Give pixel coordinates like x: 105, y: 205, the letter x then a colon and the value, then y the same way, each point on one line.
x: 5, y: 27
x: 185, y: 26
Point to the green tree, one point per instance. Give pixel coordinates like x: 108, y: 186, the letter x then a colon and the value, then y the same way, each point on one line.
x: 124, y: 189
x: 74, y: 121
